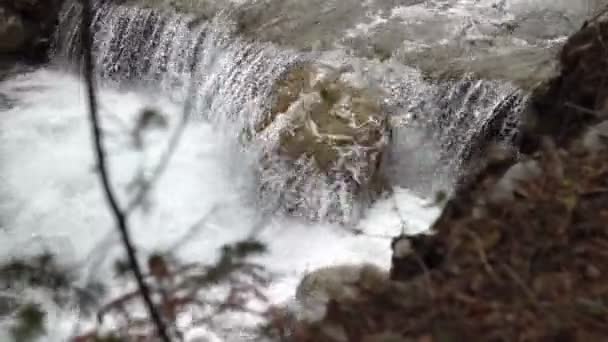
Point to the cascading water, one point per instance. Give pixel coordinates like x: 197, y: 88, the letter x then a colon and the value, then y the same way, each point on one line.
x: 50, y: 197
x: 455, y: 118
x: 220, y: 75
x: 230, y: 81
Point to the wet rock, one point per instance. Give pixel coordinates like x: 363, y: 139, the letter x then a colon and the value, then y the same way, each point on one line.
x: 542, y: 242
x: 521, y: 235
x: 336, y: 283
x: 506, y: 187
x: 495, y: 138
x: 596, y: 137
x: 13, y: 35
x: 415, y: 255
x: 566, y: 105
x: 327, y: 114
x: 332, y: 131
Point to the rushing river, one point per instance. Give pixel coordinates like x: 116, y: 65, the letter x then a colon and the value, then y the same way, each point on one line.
x: 50, y: 197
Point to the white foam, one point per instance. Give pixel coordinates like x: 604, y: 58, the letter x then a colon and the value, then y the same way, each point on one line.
x: 50, y: 197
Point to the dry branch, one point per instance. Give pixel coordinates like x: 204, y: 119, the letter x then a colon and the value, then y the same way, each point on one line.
x: 119, y: 216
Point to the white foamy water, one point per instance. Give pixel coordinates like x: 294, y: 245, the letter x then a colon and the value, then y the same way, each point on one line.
x: 50, y: 197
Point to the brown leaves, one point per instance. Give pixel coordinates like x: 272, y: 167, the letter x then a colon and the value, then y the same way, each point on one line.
x: 532, y: 268
x: 181, y: 288
x: 158, y: 267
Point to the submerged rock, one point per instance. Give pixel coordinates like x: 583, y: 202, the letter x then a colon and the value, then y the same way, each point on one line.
x: 330, y: 134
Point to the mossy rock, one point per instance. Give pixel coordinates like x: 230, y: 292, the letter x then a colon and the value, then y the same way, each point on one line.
x: 335, y: 115
x: 316, y: 114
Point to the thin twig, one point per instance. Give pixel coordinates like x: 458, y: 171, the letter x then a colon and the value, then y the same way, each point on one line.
x: 427, y: 275
x: 162, y: 164
x: 194, y: 229
x: 120, y: 218
x: 148, y: 184
x: 522, y: 284
x: 482, y: 254
x: 397, y: 211
x: 583, y: 109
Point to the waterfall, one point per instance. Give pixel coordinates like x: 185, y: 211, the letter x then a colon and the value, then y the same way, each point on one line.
x: 220, y: 75
x: 229, y: 81
x: 456, y: 119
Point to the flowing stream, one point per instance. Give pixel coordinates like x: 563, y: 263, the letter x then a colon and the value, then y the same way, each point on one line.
x: 157, y: 57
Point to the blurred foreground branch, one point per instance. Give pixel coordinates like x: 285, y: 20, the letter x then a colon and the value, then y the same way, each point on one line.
x: 119, y: 216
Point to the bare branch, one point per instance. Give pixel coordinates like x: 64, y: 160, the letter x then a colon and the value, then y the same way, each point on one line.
x: 166, y: 156
x: 119, y: 216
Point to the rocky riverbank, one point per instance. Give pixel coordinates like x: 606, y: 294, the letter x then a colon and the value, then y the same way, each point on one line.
x: 518, y: 255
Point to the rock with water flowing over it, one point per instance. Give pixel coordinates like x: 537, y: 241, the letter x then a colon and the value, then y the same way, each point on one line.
x: 331, y: 131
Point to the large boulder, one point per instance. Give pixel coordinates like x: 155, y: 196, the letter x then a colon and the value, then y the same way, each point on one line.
x: 325, y: 138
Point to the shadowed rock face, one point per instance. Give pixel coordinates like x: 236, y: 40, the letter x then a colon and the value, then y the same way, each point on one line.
x: 323, y: 124
x: 12, y: 31
x: 566, y: 105
x: 25, y: 27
